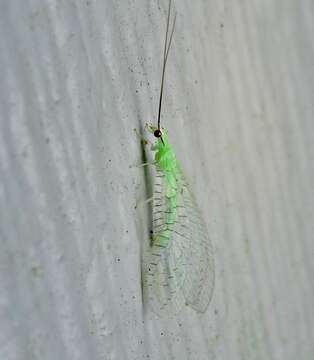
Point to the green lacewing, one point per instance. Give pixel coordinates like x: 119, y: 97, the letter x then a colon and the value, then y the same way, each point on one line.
x: 178, y: 266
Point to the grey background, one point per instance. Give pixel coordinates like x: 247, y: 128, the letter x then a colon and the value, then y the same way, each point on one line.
x: 76, y: 78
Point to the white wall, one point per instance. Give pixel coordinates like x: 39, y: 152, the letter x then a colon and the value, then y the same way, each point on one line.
x: 76, y: 78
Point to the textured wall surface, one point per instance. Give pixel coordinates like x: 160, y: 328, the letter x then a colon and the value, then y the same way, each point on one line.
x: 76, y: 78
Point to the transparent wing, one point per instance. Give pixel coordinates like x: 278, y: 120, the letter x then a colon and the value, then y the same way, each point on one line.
x: 178, y: 267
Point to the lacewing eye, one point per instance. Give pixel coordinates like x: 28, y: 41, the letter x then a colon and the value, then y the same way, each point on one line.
x: 157, y: 133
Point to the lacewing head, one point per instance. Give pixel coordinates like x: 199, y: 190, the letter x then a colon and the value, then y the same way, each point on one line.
x: 161, y: 135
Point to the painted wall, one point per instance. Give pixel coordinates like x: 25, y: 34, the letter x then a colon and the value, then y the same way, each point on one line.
x: 76, y: 78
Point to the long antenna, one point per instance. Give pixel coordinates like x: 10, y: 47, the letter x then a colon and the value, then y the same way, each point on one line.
x: 165, y: 57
